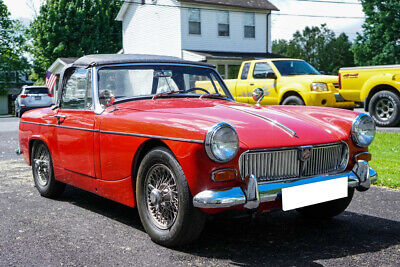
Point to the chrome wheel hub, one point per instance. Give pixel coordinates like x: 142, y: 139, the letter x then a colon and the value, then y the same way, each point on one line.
x: 161, y: 196
x: 385, y: 109
x: 41, y: 163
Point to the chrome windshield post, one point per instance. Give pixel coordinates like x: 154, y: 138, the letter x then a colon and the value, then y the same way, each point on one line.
x: 98, y: 109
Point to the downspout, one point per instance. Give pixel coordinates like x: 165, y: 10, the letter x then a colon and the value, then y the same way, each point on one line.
x: 268, y: 30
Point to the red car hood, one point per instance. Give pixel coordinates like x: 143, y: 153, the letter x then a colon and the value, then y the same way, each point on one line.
x: 257, y: 127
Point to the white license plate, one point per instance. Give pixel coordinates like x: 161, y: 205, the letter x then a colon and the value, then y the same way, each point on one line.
x: 309, y: 194
x: 38, y: 97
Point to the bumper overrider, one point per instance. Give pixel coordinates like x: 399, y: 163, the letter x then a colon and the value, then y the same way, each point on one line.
x: 252, y: 193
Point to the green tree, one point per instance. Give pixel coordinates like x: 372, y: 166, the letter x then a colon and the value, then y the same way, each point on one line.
x: 320, y: 47
x: 73, y: 28
x: 379, y: 42
x: 12, y: 45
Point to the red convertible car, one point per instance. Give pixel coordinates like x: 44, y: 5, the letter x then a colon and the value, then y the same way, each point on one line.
x: 139, y: 130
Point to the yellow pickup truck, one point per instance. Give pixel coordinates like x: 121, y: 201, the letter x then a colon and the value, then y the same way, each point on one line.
x: 378, y: 87
x: 286, y: 82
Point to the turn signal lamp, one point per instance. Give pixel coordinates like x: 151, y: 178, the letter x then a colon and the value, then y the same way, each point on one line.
x: 224, y: 175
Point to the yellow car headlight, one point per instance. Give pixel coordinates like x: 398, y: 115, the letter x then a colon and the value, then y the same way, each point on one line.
x: 319, y: 87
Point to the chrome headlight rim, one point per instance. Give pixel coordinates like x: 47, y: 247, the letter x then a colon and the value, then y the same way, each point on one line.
x: 319, y: 87
x: 355, y: 135
x: 209, y: 138
x: 345, y: 156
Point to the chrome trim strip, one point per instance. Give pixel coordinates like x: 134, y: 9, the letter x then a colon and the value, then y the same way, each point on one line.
x: 155, y: 136
x: 118, y: 133
x: 287, y: 129
x: 61, y: 126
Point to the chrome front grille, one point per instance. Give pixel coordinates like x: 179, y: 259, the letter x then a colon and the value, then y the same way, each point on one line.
x: 289, y: 163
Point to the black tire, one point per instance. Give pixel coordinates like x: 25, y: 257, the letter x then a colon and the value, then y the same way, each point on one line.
x: 328, y: 209
x: 189, y: 221
x: 384, y: 108
x: 43, y: 174
x: 293, y: 101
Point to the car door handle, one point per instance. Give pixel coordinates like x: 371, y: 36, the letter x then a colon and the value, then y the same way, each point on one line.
x: 252, y: 84
x: 60, y: 118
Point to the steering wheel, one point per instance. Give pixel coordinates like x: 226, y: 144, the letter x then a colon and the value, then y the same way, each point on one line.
x: 197, y: 89
x: 105, y: 97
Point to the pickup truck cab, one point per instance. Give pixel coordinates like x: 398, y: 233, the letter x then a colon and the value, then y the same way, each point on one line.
x: 378, y: 87
x: 286, y: 82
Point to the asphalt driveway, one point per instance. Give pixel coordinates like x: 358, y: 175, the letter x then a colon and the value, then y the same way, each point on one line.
x: 84, y: 229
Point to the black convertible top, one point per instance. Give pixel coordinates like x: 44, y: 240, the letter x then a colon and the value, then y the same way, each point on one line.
x: 110, y: 59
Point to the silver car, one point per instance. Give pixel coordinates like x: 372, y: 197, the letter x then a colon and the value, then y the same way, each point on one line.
x: 32, y: 97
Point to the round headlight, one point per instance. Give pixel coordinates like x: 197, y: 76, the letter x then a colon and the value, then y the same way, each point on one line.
x: 222, y: 143
x: 363, y: 130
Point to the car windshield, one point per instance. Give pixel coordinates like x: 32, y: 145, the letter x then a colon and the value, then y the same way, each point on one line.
x: 294, y: 67
x: 142, y: 81
x: 36, y: 91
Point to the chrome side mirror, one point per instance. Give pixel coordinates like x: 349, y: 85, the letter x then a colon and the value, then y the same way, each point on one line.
x: 258, y: 95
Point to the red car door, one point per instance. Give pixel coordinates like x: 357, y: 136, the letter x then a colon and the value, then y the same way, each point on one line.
x: 75, y: 129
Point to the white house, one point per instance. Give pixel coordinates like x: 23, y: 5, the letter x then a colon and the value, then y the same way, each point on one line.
x: 223, y: 33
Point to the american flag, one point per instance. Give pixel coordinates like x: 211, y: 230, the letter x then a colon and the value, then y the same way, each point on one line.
x: 50, y: 80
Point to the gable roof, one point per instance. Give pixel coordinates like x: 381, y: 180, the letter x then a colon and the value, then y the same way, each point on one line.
x: 251, y: 4
x: 247, y: 4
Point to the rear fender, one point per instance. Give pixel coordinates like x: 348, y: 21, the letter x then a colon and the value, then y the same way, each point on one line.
x: 379, y: 80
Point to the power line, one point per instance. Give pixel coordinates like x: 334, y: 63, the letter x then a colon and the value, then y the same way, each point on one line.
x: 277, y: 14
x: 329, y: 2
x: 317, y: 16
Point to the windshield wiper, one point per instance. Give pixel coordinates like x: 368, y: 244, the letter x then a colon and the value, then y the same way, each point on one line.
x: 213, y: 96
x: 167, y: 93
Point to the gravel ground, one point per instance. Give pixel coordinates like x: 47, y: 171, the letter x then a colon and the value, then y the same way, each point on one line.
x: 83, y: 229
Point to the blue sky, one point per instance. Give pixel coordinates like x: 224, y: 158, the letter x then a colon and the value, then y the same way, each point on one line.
x: 283, y: 27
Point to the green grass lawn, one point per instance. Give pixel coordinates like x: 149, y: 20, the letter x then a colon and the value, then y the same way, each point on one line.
x: 386, y: 159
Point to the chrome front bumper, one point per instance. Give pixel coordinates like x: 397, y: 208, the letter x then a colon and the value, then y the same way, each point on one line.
x: 251, y: 194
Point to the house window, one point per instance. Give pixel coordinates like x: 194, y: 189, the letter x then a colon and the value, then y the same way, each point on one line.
x: 223, y: 23
x: 194, y: 21
x: 221, y: 69
x: 233, y: 71
x: 249, y: 25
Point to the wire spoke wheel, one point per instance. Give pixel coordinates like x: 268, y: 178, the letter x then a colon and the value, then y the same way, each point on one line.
x: 42, y: 168
x: 385, y: 109
x: 161, y: 196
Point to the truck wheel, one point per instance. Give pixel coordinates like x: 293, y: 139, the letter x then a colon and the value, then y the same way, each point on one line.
x: 384, y: 107
x: 293, y: 101
x: 328, y: 209
x: 43, y: 174
x: 164, y: 201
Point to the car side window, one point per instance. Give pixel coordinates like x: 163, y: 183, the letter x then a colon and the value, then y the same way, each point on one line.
x: 245, y: 71
x: 261, y: 70
x: 77, y: 93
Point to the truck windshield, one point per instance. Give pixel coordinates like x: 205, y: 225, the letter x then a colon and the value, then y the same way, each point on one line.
x: 142, y: 81
x: 294, y: 67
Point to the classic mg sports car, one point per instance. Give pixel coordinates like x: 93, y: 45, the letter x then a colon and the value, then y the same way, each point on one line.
x: 138, y: 130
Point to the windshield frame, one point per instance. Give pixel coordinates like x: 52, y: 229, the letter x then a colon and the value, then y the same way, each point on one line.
x: 95, y: 82
x: 300, y: 60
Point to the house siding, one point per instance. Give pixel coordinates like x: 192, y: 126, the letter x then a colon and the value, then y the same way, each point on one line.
x: 209, y: 39
x: 153, y: 29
